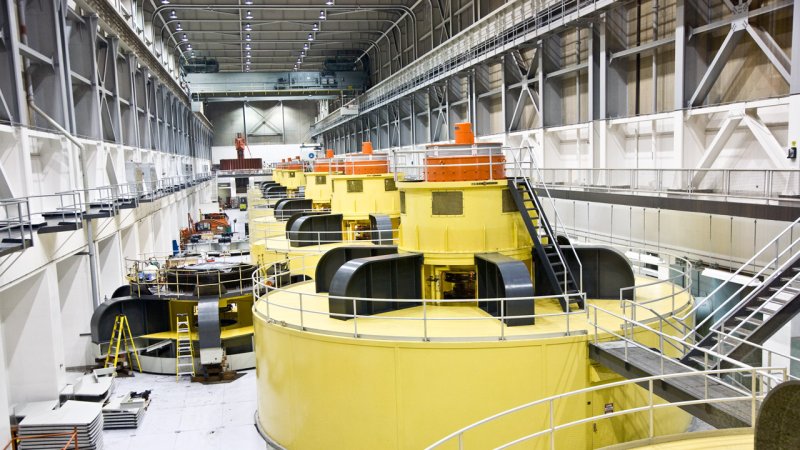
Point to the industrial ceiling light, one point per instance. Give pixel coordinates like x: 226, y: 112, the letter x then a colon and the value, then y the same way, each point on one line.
x: 165, y: 2
x: 248, y: 14
x: 189, y: 46
x: 329, y: 2
x: 305, y: 46
x: 179, y: 27
x: 322, y: 15
x: 247, y: 37
x: 310, y: 37
x: 248, y: 2
x: 184, y: 38
x: 315, y: 27
x: 248, y: 27
x: 247, y: 46
x: 248, y: 54
x: 173, y: 15
x: 303, y: 54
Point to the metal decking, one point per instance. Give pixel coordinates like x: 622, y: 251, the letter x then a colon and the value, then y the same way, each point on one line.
x: 637, y: 362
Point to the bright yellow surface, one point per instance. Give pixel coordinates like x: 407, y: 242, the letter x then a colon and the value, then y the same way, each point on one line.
x: 291, y: 179
x: 455, y: 239
x: 715, y: 440
x: 320, y: 391
x: 266, y: 226
x: 475, y: 322
x: 224, y: 334
x: 319, y: 193
x: 373, y: 199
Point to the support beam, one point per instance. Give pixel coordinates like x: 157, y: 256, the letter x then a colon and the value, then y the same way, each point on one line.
x: 717, y: 144
x: 773, y: 149
x: 773, y: 51
x: 718, y: 63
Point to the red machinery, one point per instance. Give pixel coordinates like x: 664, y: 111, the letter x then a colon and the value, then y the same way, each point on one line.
x: 240, y: 163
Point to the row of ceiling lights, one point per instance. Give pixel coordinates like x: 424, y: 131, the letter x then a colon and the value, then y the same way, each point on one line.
x: 314, y: 29
x: 248, y: 27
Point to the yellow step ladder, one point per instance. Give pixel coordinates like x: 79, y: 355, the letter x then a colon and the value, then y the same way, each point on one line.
x: 184, y: 359
x: 121, y: 339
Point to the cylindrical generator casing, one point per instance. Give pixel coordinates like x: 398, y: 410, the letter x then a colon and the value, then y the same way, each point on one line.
x: 358, y: 196
x: 450, y: 222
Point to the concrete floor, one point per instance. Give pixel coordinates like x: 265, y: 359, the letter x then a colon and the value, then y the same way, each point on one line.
x: 184, y: 415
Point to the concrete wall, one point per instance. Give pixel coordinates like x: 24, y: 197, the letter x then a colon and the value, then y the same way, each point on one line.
x: 266, y: 123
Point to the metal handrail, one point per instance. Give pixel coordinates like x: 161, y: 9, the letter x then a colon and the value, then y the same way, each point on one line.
x: 685, y: 186
x: 519, y: 173
x: 265, y: 285
x: 682, y: 344
x: 760, y: 373
x: 628, y: 337
x: 16, y: 221
x: 137, y: 274
x: 741, y: 269
x: 270, y: 240
x: 758, y: 310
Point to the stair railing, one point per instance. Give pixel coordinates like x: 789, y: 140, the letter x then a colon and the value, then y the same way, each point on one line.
x: 773, y: 243
x: 718, y: 324
x: 526, y: 153
x: 655, y: 325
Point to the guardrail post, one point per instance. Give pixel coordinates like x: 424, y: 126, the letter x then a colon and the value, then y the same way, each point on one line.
x: 651, y: 409
x: 502, y: 319
x: 302, y: 325
x: 552, y: 426
x: 355, y: 319
x: 753, y: 398
x: 424, y: 320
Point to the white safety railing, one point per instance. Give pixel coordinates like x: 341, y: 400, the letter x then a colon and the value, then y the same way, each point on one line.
x: 318, y: 241
x: 294, y: 307
x: 164, y: 275
x: 729, y: 304
x: 645, y: 329
x: 717, y: 184
x: 15, y: 221
x: 554, y: 409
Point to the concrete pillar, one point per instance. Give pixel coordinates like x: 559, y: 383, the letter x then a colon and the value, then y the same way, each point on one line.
x: 32, y: 338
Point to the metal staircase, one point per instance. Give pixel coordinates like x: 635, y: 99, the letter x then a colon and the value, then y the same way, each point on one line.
x: 550, y: 258
x: 758, y: 315
x: 734, y: 329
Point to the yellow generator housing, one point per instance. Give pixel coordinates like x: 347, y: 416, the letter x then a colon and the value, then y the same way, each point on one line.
x: 319, y: 186
x: 358, y: 196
